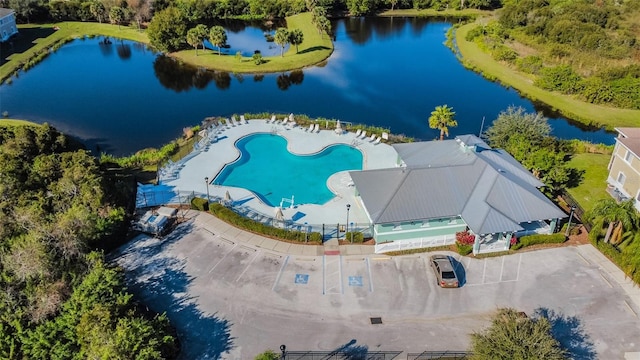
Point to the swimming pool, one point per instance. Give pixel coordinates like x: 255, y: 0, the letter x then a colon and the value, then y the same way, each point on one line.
x: 268, y: 169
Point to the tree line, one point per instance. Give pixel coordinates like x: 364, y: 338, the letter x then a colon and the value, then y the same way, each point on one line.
x: 584, y: 48
x: 207, y: 11
x: 60, y: 299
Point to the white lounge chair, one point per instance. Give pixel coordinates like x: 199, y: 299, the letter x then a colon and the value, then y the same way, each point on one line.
x: 273, y: 119
x: 292, y: 124
x: 284, y: 122
x: 358, y: 132
x: 372, y: 137
x: 310, y: 129
x: 316, y: 128
x: 377, y: 141
x: 242, y: 119
x: 385, y: 136
x: 363, y: 135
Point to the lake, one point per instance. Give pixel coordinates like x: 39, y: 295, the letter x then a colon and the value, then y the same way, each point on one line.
x: 392, y: 72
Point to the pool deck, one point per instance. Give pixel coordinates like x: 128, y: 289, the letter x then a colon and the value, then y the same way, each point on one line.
x: 221, y: 150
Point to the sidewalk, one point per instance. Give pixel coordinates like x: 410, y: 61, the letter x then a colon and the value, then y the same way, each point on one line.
x: 231, y: 233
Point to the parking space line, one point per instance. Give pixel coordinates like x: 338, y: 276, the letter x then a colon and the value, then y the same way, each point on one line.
x: 219, y: 261
x: 484, y: 270
x: 605, y: 279
x: 502, y: 267
x: 247, y: 267
x: 630, y: 308
x: 518, y: 270
x: 340, y: 275
x: 284, y: 264
x: 324, y: 274
x: 583, y: 259
x: 369, y: 273
x: 225, y: 240
x: 491, y: 283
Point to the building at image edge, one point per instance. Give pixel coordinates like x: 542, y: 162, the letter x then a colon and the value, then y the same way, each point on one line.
x: 442, y: 187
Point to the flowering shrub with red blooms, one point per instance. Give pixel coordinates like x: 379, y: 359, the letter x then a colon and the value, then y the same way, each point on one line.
x: 514, y: 240
x: 464, y: 238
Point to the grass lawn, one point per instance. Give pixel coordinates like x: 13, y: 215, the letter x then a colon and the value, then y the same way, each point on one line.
x: 568, y: 106
x: 593, y: 185
x: 314, y: 49
x: 14, y: 122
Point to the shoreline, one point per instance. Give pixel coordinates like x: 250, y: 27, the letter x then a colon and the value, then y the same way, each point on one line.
x: 468, y: 53
x: 473, y: 58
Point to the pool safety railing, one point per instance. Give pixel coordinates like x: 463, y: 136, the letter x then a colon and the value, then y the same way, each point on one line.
x: 287, y: 200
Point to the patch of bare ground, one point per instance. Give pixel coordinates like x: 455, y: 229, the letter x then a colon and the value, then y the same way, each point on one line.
x: 522, y: 49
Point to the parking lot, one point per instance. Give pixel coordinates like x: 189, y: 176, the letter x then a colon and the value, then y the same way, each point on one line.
x: 229, y: 299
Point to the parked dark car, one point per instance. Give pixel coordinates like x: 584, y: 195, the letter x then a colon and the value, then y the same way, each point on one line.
x: 445, y: 273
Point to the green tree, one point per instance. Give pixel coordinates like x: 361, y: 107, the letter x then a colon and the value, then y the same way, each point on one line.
x: 516, y: 122
x: 218, y: 37
x: 619, y: 217
x: 117, y: 15
x: 98, y: 10
x: 513, y: 337
x: 168, y: 30
x: 257, y: 58
x: 197, y: 35
x: 296, y: 37
x: 324, y: 26
x: 281, y: 38
x: 442, y: 119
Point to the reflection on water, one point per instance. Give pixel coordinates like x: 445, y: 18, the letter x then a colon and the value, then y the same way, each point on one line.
x: 388, y: 72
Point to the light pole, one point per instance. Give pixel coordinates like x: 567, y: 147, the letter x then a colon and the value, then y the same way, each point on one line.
x: 346, y: 225
x: 206, y: 180
x: 573, y: 208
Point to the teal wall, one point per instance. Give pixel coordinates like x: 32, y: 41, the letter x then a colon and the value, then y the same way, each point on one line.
x: 417, y: 229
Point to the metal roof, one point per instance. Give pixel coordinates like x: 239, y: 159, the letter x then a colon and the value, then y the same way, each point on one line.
x: 4, y: 12
x: 488, y: 188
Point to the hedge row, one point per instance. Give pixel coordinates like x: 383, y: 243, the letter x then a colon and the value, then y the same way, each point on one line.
x: 530, y: 240
x: 253, y: 226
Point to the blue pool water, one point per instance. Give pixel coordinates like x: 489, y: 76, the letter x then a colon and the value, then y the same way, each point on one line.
x: 267, y: 168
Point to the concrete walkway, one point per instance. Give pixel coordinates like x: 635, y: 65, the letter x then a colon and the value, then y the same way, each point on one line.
x: 216, y: 226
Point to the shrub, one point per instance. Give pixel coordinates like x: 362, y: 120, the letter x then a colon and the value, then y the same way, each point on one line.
x: 530, y: 64
x: 464, y: 249
x: 358, y: 237
x: 504, y: 53
x: 530, y: 240
x: 560, y: 78
x: 199, y: 204
x: 251, y: 225
x: 315, y: 237
x: 465, y: 238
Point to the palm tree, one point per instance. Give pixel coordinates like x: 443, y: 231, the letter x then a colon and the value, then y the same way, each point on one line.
x: 619, y: 217
x: 196, y: 36
x: 296, y: 37
x: 218, y: 37
x: 442, y: 119
x: 281, y: 38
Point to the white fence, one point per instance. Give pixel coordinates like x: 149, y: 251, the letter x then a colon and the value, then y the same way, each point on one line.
x: 417, y: 243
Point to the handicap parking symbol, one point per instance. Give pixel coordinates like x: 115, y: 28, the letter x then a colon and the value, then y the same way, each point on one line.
x: 302, y: 279
x: 355, y: 280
